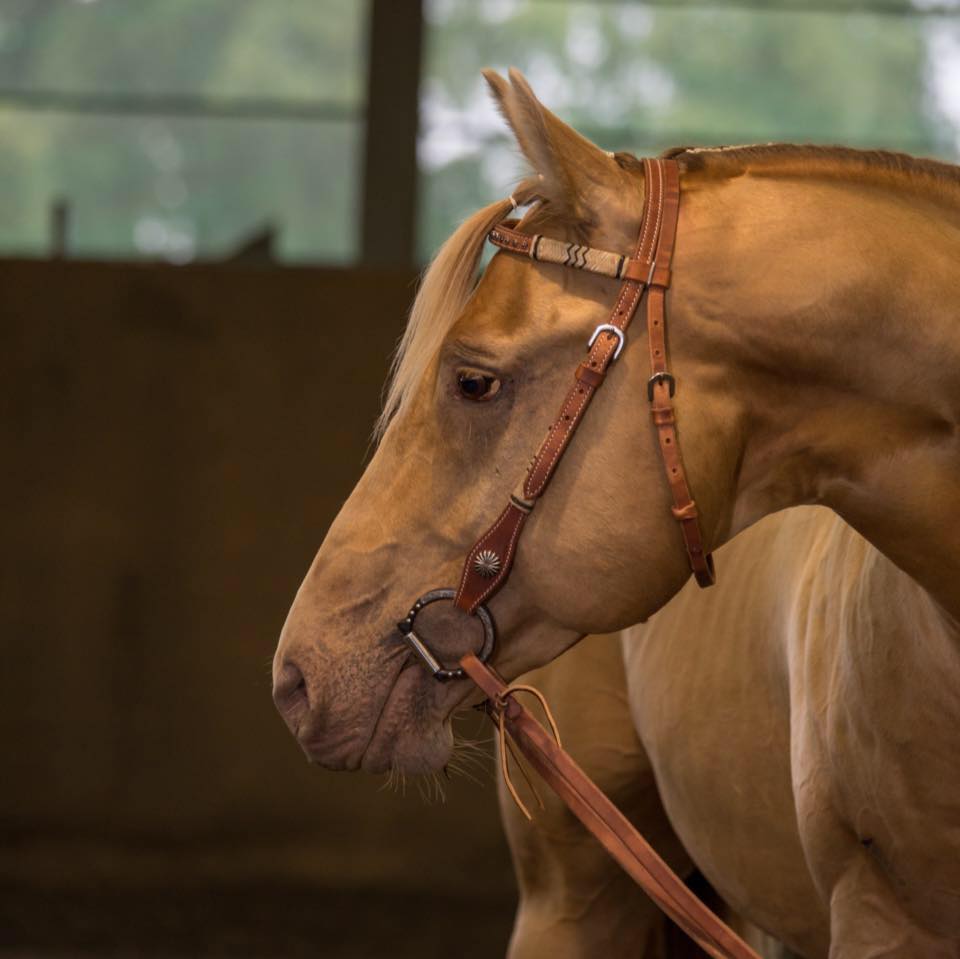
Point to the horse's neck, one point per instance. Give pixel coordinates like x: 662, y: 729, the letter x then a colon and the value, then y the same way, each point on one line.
x: 847, y: 348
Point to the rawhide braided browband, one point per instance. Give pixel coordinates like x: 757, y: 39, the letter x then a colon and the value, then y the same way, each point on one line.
x: 488, y: 563
x: 587, y: 258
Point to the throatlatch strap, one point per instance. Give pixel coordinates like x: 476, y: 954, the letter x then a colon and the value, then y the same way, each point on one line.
x: 661, y: 385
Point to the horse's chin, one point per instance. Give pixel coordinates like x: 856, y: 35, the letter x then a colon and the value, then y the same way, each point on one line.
x: 412, y: 733
x: 414, y: 751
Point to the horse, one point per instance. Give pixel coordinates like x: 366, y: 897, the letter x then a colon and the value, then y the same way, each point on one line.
x: 816, y: 347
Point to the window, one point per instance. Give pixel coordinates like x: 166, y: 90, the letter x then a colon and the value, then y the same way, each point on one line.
x: 180, y: 129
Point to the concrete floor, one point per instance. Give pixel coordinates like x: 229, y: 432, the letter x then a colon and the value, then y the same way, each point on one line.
x: 265, y: 922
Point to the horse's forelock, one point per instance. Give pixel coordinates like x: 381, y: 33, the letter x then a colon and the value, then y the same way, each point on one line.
x: 444, y: 290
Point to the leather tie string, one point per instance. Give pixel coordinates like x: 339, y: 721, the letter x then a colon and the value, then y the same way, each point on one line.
x: 499, y: 706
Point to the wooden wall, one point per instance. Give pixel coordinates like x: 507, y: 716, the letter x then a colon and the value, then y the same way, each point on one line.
x: 175, y: 442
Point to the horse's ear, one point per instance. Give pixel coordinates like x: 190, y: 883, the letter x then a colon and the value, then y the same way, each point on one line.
x: 578, y: 177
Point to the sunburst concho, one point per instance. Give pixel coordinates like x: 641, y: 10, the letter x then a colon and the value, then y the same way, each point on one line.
x: 487, y: 563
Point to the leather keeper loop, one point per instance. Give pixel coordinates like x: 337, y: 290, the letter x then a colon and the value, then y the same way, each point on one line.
x: 663, y: 415
x: 589, y: 376
x: 636, y: 270
x: 661, y: 276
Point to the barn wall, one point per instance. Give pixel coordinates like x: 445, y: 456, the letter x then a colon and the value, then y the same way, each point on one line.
x: 176, y: 441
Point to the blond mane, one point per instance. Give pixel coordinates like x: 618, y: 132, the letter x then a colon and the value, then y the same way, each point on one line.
x: 444, y: 290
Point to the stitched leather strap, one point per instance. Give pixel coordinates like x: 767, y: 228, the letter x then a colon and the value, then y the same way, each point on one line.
x: 489, y: 562
x: 661, y: 385
x: 605, y: 821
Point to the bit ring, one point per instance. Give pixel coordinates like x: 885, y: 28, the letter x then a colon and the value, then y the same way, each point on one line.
x: 417, y: 644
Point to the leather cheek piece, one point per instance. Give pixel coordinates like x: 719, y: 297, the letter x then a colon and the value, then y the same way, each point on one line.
x: 488, y: 563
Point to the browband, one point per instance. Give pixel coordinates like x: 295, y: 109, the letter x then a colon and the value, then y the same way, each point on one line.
x: 578, y: 257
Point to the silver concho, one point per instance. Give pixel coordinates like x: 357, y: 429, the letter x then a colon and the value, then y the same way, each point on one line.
x: 487, y: 563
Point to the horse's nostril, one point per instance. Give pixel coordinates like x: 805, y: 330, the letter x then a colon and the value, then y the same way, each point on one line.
x: 289, y: 689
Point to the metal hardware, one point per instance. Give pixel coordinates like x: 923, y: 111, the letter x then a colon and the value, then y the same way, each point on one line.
x: 487, y: 563
x: 609, y: 328
x: 662, y: 377
x: 417, y: 644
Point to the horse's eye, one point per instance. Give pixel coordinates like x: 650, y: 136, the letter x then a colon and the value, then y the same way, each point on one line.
x: 477, y: 386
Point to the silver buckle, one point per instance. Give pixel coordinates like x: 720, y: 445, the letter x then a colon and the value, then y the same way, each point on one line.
x: 609, y: 328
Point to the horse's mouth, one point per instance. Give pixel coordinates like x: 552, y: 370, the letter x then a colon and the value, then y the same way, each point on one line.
x: 407, y: 732
x: 412, y: 732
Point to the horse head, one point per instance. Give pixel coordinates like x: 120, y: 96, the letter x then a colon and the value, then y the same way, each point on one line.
x: 481, y: 368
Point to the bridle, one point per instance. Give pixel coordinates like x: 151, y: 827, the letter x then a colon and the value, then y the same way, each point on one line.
x: 490, y: 560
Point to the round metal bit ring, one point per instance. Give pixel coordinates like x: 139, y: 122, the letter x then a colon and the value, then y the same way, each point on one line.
x: 419, y: 646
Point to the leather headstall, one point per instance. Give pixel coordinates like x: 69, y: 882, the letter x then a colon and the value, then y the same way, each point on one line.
x: 489, y: 562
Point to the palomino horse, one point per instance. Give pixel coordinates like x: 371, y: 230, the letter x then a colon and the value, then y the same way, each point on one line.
x: 816, y: 344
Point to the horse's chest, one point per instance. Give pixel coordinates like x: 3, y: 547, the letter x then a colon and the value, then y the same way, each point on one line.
x: 718, y: 735
x: 876, y: 736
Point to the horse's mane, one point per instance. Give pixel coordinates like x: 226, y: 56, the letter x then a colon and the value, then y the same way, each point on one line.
x: 446, y: 286
x: 815, y: 159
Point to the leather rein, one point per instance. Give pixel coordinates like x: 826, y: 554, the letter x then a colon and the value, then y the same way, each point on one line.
x: 490, y: 560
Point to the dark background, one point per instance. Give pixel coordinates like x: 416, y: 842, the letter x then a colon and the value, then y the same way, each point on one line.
x: 177, y: 441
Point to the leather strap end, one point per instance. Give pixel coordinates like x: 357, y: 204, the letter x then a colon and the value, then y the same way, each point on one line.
x: 705, y: 573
